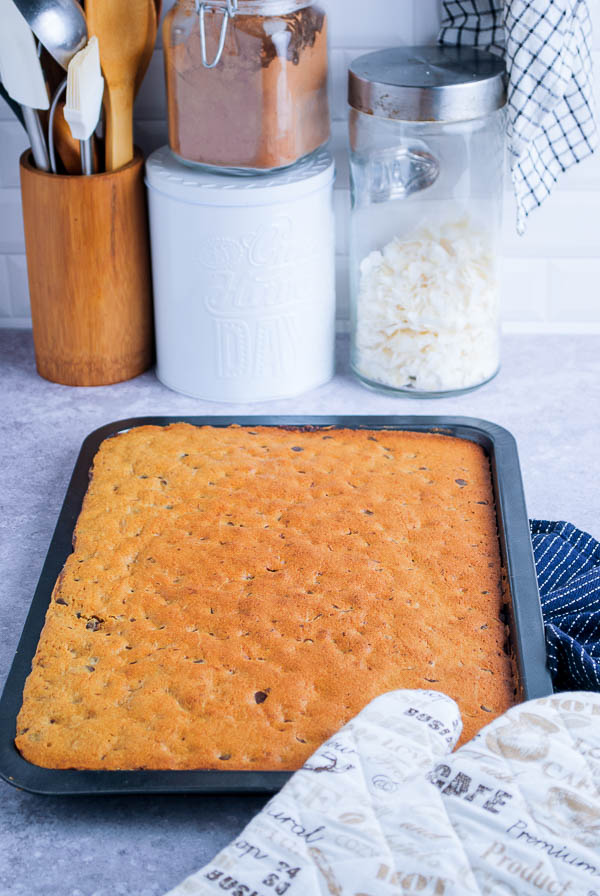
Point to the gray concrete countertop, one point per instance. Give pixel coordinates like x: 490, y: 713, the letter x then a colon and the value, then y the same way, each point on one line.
x: 547, y: 395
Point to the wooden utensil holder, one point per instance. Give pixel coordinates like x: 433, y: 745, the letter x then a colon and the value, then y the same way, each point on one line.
x: 88, y: 265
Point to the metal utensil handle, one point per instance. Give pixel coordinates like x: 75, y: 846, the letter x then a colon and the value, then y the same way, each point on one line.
x: 87, y: 156
x: 33, y: 126
x: 59, y: 92
x: 16, y: 107
x: 228, y: 12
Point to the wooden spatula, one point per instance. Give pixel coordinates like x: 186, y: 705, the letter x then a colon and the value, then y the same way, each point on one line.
x: 126, y: 32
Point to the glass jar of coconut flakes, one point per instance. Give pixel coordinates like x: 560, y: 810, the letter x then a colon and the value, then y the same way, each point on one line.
x: 426, y: 160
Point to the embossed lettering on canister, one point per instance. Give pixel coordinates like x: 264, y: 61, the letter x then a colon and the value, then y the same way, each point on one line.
x: 244, y: 279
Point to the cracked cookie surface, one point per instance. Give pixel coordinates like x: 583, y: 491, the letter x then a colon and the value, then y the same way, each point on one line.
x: 236, y: 595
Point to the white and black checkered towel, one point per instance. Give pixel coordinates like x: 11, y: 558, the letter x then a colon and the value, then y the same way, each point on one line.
x: 550, y: 102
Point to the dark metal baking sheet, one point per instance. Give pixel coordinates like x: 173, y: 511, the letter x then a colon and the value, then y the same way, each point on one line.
x: 526, y: 624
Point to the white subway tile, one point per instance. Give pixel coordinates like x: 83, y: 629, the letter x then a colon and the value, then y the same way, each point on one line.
x: 5, y: 291
x: 568, y: 224
x: 16, y: 323
x: 11, y: 221
x: 376, y: 23
x: 524, y: 289
x: 149, y: 135
x: 574, y: 293
x: 338, y: 146
x: 342, y: 286
x: 338, y: 80
x: 13, y: 140
x: 6, y: 113
x: 427, y: 21
x: 348, y: 56
x: 151, y: 101
x: 19, y: 287
x: 341, y: 200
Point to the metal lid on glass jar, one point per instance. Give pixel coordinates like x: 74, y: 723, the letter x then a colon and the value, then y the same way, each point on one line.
x: 438, y: 83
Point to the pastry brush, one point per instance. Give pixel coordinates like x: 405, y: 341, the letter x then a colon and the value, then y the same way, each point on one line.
x: 85, y: 87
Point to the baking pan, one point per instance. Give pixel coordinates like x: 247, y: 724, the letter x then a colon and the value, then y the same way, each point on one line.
x: 525, y: 616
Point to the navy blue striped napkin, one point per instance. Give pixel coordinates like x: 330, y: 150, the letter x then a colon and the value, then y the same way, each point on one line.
x: 568, y: 570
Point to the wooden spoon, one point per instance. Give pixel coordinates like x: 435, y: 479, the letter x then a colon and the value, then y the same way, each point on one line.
x: 126, y: 32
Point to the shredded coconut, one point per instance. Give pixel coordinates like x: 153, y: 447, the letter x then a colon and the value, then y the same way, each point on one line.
x: 427, y: 310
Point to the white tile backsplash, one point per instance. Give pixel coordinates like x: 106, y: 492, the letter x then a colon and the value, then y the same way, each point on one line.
x: 19, y: 290
x: 426, y: 21
x: 371, y: 23
x: 338, y: 83
x: 151, y: 101
x: 341, y: 205
x: 524, y: 289
x: 13, y: 140
x: 574, y: 293
x: 342, y: 281
x: 149, y: 135
x: 551, y: 276
x: 6, y: 312
x: 567, y: 225
x: 12, y: 239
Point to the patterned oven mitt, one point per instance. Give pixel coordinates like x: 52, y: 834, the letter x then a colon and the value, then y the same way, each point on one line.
x: 384, y: 807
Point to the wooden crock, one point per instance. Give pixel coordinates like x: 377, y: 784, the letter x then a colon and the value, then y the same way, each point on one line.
x: 88, y: 264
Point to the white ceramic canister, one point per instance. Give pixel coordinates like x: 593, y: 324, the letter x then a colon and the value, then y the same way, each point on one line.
x: 244, y: 278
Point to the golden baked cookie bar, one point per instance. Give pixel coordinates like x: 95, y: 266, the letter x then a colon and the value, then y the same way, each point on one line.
x: 235, y: 595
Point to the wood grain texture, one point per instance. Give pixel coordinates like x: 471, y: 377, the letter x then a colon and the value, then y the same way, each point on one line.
x: 126, y: 35
x: 89, y: 274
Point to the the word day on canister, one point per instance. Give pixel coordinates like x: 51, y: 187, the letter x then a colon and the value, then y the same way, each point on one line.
x: 244, y: 278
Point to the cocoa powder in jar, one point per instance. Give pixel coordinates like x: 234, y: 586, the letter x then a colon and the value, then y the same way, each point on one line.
x: 264, y: 105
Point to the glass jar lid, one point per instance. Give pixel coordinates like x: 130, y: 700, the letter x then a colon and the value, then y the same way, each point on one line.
x: 438, y: 83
